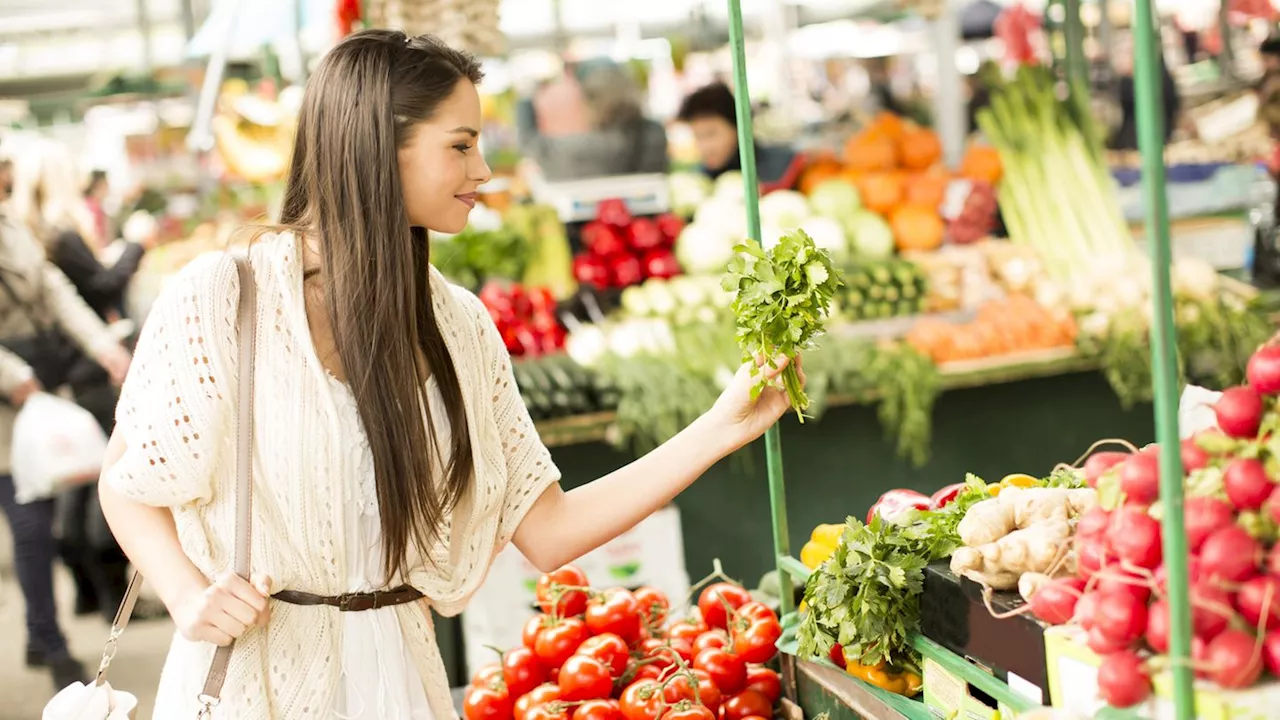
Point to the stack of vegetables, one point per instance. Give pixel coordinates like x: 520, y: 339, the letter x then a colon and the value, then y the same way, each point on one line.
x: 1116, y: 590
x: 622, y: 250
x: 877, y: 289
x: 553, y: 386
x: 895, y: 166
x: 612, y: 654
x: 862, y: 602
x: 487, y: 249
x: 526, y: 318
x: 1010, y: 325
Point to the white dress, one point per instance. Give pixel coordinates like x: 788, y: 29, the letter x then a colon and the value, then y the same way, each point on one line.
x: 378, y: 680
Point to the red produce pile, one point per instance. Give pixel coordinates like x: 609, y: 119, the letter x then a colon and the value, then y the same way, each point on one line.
x: 977, y: 219
x: 1232, y: 516
x: 622, y: 250
x: 611, y: 654
x: 526, y: 318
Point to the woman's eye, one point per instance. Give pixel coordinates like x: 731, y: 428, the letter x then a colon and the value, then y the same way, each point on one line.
x: 462, y: 148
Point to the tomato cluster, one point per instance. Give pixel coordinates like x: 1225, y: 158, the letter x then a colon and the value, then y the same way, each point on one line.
x: 619, y: 655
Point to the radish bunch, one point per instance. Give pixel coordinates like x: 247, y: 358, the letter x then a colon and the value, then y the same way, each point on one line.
x: 1231, y: 512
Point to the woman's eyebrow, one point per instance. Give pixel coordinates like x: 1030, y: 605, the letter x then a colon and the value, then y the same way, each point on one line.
x: 468, y: 130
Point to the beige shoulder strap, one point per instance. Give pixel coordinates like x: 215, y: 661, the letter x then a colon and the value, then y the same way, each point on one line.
x: 248, y: 316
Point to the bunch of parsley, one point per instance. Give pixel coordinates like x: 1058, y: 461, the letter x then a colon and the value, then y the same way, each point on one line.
x: 782, y: 299
x: 866, y: 597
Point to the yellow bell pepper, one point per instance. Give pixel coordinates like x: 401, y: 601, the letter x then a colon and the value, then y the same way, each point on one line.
x: 907, y: 684
x: 821, y: 546
x: 1018, y: 480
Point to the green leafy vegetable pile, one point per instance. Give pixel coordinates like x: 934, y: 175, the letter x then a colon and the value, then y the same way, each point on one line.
x: 473, y: 256
x: 783, y: 297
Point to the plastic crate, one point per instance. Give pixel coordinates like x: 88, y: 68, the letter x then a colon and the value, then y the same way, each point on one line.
x: 577, y: 201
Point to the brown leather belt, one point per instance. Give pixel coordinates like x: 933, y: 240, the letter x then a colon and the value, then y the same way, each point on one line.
x: 353, y: 602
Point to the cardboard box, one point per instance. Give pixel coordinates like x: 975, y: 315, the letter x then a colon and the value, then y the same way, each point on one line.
x: 949, y: 697
x: 1073, y: 686
x: 651, y: 553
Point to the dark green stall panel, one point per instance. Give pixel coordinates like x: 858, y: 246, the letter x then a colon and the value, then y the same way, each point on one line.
x: 842, y: 463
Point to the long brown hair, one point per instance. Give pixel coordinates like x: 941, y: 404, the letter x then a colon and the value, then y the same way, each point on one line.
x: 361, y: 105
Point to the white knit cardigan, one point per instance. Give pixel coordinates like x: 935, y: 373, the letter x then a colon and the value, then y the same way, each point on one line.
x: 176, y: 413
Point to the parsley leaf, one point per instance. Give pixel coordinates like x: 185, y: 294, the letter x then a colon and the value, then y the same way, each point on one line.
x: 782, y: 299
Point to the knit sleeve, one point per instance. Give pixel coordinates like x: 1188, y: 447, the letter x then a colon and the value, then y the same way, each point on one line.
x: 530, y: 469
x: 175, y: 405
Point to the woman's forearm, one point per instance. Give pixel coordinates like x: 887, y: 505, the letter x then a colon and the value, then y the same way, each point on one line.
x: 149, y: 538
x: 563, y: 526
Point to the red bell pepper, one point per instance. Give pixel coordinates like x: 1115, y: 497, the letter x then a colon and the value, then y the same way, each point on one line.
x: 944, y: 496
x: 661, y: 264
x: 671, y: 227
x: 837, y: 655
x: 613, y: 212
x: 625, y: 270
x: 895, y: 502
x: 603, y: 240
x: 591, y: 270
x: 644, y: 235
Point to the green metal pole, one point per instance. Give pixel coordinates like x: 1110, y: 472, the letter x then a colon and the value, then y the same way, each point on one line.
x: 747, y: 154
x: 1147, y: 87
x: 1073, y: 38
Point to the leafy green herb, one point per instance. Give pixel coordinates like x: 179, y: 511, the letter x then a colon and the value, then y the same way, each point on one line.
x: 473, y: 256
x: 782, y: 300
x: 909, y: 384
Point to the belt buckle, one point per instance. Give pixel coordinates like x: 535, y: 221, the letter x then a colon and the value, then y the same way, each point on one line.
x: 344, y: 601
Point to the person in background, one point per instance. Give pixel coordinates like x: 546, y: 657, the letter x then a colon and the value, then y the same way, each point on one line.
x: 595, y: 129
x: 37, y: 301
x: 1126, y: 136
x: 711, y: 114
x: 95, y: 194
x: 46, y: 194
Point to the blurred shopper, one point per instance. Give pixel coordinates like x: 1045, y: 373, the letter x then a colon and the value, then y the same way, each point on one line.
x: 44, y: 326
x: 712, y: 116
x: 48, y: 197
x: 95, y: 195
x: 596, y: 128
x: 1126, y: 136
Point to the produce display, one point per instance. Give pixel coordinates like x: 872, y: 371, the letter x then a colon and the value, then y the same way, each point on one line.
x: 622, y: 250
x: 526, y: 318
x: 614, y: 654
x: 553, y: 386
x: 1013, y: 324
x: 878, y: 289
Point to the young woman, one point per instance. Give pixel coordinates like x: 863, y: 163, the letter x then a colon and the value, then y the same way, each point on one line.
x: 392, y: 448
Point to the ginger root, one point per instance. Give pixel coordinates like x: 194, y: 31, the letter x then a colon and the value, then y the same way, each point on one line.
x: 1000, y: 564
x: 1020, y: 508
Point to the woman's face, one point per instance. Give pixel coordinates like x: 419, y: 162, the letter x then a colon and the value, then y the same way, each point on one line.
x: 717, y: 141
x: 441, y: 165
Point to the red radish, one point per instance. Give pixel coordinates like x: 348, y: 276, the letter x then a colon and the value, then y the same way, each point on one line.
x: 1229, y: 554
x: 1099, y: 642
x: 1247, y: 484
x: 1272, y: 506
x: 1093, y: 523
x: 1263, y: 370
x: 1117, y: 580
x: 1257, y: 597
x: 1210, y: 610
x: 1273, y: 560
x: 1239, y: 412
x: 1193, y: 574
x: 1120, y: 617
x: 1203, y: 515
x: 1055, y: 602
x: 1193, y: 456
x: 1091, y: 556
x: 1158, y: 626
x: 1140, y: 478
x: 1122, y: 681
x: 1085, y: 610
x: 1232, y: 659
x: 1135, y: 537
x: 1099, y: 463
x: 1200, y: 656
x: 1271, y: 652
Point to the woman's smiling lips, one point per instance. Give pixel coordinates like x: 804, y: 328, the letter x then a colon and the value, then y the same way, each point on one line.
x: 469, y: 199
